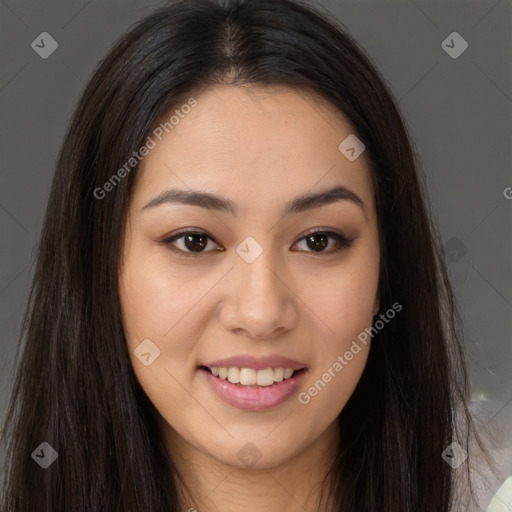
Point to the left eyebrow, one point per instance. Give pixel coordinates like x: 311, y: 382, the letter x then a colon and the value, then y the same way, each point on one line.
x: 298, y: 205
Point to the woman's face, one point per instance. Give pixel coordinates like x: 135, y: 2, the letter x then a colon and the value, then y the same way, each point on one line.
x: 254, y: 288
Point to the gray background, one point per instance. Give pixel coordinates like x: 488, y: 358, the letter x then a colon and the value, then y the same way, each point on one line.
x: 457, y: 110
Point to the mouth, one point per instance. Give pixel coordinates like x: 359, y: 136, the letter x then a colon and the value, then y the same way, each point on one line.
x: 253, y: 390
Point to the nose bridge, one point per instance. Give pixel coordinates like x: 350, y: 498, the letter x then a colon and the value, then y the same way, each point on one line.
x: 257, y: 272
x: 260, y: 303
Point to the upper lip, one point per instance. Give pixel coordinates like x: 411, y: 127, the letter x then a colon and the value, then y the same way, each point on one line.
x: 257, y: 363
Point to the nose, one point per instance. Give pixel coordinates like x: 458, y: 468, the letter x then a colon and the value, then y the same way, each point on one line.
x: 259, y: 302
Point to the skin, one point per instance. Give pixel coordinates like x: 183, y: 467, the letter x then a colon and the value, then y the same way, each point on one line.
x: 260, y: 148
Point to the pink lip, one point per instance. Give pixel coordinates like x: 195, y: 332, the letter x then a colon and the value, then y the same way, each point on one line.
x: 258, y: 363
x: 254, y: 398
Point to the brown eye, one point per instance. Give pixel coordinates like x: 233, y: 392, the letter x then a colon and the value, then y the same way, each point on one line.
x: 318, y: 241
x: 190, y: 242
x: 195, y: 242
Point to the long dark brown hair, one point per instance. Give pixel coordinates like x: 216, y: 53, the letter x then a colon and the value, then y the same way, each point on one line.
x: 75, y: 387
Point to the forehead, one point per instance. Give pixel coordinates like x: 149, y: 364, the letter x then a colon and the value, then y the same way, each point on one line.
x: 243, y: 142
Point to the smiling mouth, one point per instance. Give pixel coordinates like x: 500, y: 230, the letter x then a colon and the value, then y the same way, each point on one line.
x: 252, y: 378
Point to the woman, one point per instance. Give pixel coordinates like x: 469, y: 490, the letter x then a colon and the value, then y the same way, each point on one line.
x: 240, y: 300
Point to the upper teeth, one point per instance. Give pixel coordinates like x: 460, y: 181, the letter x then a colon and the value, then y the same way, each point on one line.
x: 250, y: 376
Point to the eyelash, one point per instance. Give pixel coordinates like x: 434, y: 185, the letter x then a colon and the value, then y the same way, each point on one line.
x: 343, y: 242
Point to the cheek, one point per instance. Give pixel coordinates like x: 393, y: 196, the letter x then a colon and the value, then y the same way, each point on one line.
x: 328, y: 391
x: 155, y: 306
x: 344, y: 299
x: 155, y: 298
x: 345, y: 307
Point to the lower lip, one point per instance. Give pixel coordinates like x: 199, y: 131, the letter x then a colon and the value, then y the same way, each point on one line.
x: 251, y: 398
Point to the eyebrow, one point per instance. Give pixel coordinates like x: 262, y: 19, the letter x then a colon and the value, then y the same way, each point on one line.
x: 299, y: 204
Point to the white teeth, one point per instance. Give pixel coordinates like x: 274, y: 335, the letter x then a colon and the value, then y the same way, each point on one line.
x: 247, y: 376
x: 279, y: 374
x: 234, y: 375
x: 265, y: 377
x: 288, y: 373
x: 251, y: 377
